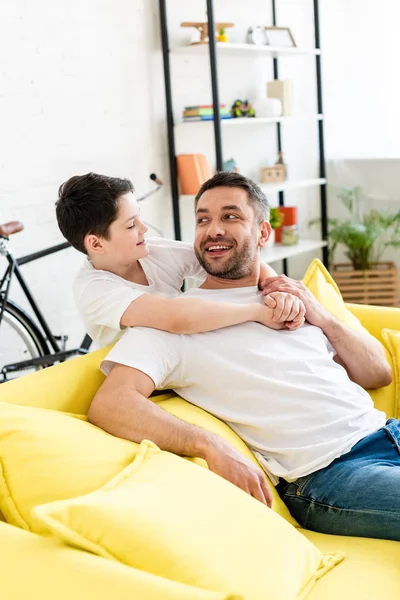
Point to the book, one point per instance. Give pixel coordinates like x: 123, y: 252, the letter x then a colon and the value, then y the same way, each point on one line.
x: 204, y: 112
x: 206, y: 118
x: 203, y: 106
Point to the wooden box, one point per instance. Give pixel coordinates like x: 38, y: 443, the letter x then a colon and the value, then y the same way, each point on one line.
x: 377, y: 285
x: 274, y: 174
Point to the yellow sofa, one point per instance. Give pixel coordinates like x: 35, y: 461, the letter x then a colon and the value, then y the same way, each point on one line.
x: 42, y: 568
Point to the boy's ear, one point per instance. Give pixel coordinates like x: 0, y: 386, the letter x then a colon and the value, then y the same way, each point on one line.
x: 93, y: 244
x: 265, y: 232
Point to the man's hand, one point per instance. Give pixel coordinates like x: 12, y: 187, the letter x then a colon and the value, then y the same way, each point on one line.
x: 288, y: 310
x: 239, y: 470
x: 315, y: 313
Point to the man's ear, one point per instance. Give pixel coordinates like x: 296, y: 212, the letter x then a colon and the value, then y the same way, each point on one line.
x: 265, y: 232
x: 93, y: 244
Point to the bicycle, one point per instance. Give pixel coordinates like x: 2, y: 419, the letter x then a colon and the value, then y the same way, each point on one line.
x: 25, y: 336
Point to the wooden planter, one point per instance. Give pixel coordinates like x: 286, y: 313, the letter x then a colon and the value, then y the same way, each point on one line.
x: 374, y: 286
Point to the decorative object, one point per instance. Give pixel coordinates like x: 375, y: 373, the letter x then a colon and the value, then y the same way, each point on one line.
x: 283, y: 90
x: 365, y: 237
x: 289, y: 220
x: 280, y: 161
x: 280, y: 37
x: 274, y: 174
x: 289, y: 235
x: 193, y: 171
x: 242, y: 108
x: 231, y: 165
x: 257, y: 35
x: 222, y: 37
x: 268, y: 107
x: 205, y: 112
x: 202, y: 28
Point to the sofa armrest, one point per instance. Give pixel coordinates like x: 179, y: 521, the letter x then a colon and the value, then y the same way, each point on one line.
x: 376, y: 318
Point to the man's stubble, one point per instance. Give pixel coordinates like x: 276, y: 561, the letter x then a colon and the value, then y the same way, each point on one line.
x: 240, y: 264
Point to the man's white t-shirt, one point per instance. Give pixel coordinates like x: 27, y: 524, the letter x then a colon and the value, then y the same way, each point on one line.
x: 281, y: 391
x: 102, y: 297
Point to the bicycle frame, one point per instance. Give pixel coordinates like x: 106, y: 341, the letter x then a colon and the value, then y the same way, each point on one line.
x: 14, y: 269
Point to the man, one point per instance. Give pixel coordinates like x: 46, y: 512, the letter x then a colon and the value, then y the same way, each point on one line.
x: 295, y: 397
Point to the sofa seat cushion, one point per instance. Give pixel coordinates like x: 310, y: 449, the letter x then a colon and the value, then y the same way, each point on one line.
x: 168, y: 516
x: 370, y: 571
x: 33, y: 567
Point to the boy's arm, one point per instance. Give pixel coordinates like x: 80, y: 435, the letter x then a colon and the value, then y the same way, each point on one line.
x: 265, y: 272
x: 195, y: 315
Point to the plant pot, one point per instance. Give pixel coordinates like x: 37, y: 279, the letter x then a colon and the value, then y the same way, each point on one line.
x: 377, y: 285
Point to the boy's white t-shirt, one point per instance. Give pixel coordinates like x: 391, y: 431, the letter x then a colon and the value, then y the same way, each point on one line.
x: 280, y: 391
x: 102, y: 297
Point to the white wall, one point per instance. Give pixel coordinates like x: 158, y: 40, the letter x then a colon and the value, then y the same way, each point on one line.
x: 361, y: 44
x: 361, y: 89
x: 80, y: 90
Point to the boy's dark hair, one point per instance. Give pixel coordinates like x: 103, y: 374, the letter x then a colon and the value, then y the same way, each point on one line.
x: 231, y: 179
x: 89, y: 204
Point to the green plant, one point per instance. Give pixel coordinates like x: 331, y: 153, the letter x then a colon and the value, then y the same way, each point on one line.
x: 365, y: 236
x: 276, y: 217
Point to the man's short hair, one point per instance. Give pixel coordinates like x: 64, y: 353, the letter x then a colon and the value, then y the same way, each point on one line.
x: 231, y: 179
x: 88, y: 204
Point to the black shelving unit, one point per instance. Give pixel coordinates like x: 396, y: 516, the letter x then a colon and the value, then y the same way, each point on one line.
x: 217, y: 120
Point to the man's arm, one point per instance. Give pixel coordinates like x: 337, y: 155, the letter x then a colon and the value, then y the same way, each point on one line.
x: 121, y: 407
x: 357, y: 351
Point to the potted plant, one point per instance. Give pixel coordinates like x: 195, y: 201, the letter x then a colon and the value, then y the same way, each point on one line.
x: 276, y: 218
x: 365, y: 237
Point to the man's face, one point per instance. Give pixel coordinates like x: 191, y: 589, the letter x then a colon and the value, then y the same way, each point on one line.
x: 125, y: 241
x: 227, y: 233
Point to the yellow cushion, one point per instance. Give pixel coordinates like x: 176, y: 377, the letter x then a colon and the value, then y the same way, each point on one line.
x: 47, y: 455
x: 33, y: 567
x: 319, y: 281
x: 169, y: 517
x: 392, y: 342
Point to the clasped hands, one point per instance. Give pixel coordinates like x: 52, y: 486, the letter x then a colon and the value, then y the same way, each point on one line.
x: 294, y: 303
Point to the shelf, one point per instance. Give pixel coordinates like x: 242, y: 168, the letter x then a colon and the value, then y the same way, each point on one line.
x: 280, y: 187
x: 252, y: 121
x: 291, y: 185
x: 244, y: 49
x: 279, y: 252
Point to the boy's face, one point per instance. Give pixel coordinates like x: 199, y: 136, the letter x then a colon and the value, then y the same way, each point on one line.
x: 125, y: 242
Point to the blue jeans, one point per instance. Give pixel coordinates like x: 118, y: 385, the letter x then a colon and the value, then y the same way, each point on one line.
x: 358, y: 494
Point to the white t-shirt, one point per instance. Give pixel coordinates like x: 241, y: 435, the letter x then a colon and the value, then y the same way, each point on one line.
x: 281, y: 391
x: 103, y: 297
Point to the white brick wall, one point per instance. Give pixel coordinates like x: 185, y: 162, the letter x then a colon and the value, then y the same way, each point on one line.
x: 80, y: 90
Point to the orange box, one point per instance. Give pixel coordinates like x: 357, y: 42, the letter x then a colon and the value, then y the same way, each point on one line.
x: 290, y: 218
x: 193, y: 171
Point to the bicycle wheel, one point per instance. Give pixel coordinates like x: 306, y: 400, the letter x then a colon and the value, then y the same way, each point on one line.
x: 20, y: 340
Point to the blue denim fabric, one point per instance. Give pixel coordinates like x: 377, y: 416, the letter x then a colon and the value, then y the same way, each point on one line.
x: 358, y: 494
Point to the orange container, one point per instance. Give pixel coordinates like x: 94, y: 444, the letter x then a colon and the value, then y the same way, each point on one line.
x: 193, y: 171
x: 290, y: 218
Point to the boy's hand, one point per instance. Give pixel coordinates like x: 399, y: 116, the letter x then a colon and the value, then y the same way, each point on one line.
x: 288, y: 310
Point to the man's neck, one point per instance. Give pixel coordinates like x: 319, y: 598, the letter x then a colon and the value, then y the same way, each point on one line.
x: 218, y: 283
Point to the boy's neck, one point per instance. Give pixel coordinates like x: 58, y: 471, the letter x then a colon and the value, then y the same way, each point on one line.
x: 130, y: 271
